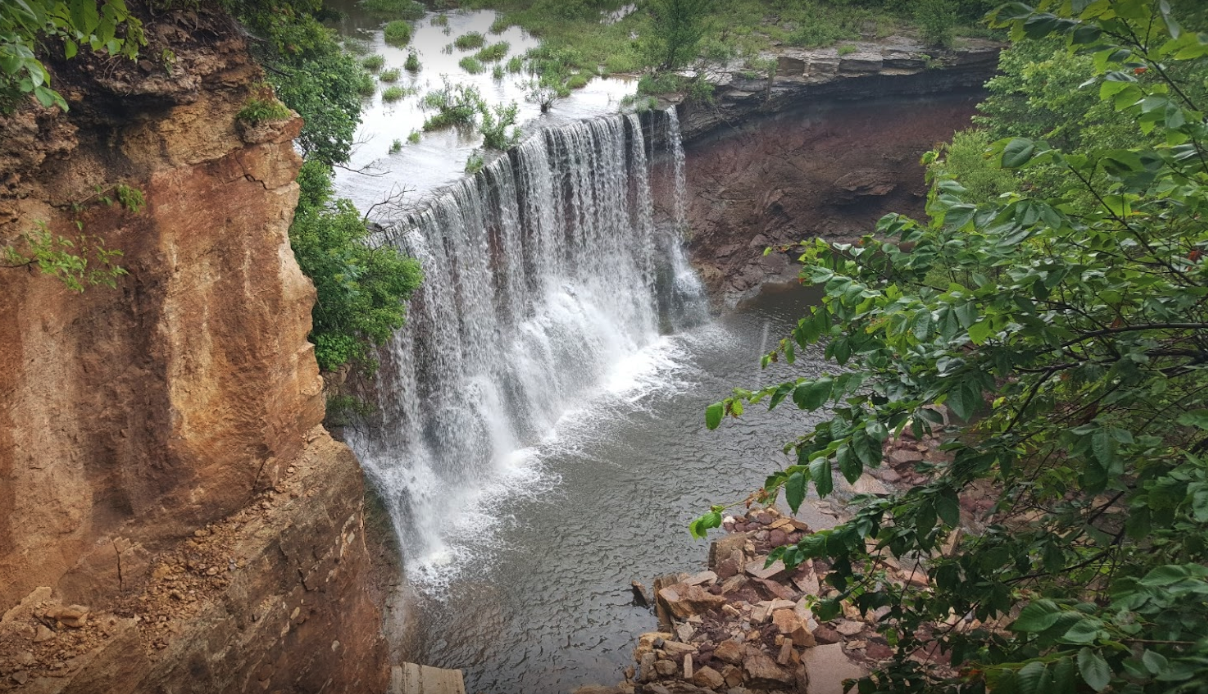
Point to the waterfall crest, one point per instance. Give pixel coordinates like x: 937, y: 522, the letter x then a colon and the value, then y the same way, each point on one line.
x: 542, y: 272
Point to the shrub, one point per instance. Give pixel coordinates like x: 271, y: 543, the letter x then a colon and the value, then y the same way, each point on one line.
x: 471, y: 65
x: 936, y: 19
x: 256, y: 111
x: 498, y: 126
x: 412, y: 64
x: 401, y: 9
x: 493, y: 53
x: 455, y: 105
x: 374, y: 63
x: 398, y: 33
x: 396, y: 146
x: 366, y: 85
x: 360, y: 288
x: 413, y: 138
x: 470, y: 41
x: 660, y: 83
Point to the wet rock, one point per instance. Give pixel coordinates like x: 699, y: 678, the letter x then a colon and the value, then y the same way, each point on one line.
x: 640, y: 597
x: 762, y: 670
x: 709, y: 678
x: 684, y: 600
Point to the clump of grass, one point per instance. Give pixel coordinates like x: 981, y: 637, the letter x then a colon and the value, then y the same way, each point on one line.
x: 500, y: 25
x: 413, y: 138
x: 374, y: 63
x: 412, y: 64
x: 622, y: 63
x: 475, y: 163
x: 367, y: 86
x: 847, y: 49
x: 398, y: 33
x: 661, y: 83
x: 577, y: 81
x: 471, y: 65
x: 256, y: 111
x: 515, y: 64
x: 390, y: 75
x: 395, y: 93
x: 440, y: 20
x: 402, y: 9
x: 470, y: 41
x: 493, y: 53
x: 396, y: 146
x: 497, y: 73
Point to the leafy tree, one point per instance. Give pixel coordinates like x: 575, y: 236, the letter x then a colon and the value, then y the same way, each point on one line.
x: 1066, y: 328
x: 106, y: 28
x: 359, y: 285
x: 676, y: 29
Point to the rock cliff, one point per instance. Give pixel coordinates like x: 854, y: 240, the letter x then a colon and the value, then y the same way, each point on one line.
x: 823, y: 148
x: 172, y: 516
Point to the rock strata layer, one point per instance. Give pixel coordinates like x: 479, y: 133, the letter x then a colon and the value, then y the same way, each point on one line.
x: 136, y: 422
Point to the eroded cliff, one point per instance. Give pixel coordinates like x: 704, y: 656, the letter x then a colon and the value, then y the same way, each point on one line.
x: 161, y: 459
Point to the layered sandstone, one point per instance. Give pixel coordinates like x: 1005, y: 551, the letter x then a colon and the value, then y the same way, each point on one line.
x: 135, y: 420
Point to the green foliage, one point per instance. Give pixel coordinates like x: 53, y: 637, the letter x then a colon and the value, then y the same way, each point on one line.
x: 78, y: 264
x: 515, y: 64
x: 676, y: 30
x: 470, y: 41
x: 1064, y: 327
x: 374, y: 63
x: 256, y: 111
x: 413, y: 138
x: 344, y: 410
x: 399, y: 9
x: 493, y: 53
x: 395, y: 93
x: 397, y: 33
x: 107, y: 28
x: 498, y: 126
x: 936, y: 19
x: 847, y: 49
x: 396, y: 146
x: 577, y: 81
x: 440, y: 20
x: 130, y: 198
x: 500, y: 25
x: 360, y: 287
x: 412, y: 65
x: 471, y: 65
x: 661, y: 83
x: 454, y: 104
x: 497, y: 73
x: 391, y: 75
x: 474, y: 163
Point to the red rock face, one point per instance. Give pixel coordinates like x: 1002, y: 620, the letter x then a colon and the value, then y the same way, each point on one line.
x: 826, y: 171
x: 133, y: 417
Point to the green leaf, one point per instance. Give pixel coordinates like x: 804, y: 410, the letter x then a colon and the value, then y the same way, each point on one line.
x: 820, y: 471
x: 980, y: 332
x: 812, y: 395
x: 1018, y: 152
x: 1037, y: 616
x: 948, y: 508
x: 713, y: 415
x: 1083, y: 632
x: 1094, y: 669
x: 1034, y: 678
x: 1194, y: 418
x: 794, y: 490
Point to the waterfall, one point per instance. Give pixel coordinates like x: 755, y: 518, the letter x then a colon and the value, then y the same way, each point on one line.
x: 542, y: 272
x: 681, y: 181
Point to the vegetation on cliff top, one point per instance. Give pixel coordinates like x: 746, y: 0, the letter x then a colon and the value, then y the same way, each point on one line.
x: 1056, y: 306
x: 361, y: 286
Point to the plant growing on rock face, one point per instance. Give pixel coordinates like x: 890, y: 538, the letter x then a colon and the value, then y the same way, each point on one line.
x: 78, y: 264
x: 1065, y: 328
x: 257, y: 111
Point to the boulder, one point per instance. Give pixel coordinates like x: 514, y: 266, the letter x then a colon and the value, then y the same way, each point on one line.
x: 728, y: 651
x: 775, y: 572
x: 763, y: 671
x: 791, y: 626
x: 723, y: 547
x: 683, y: 600
x: 708, y: 678
x: 666, y: 668
x: 704, y: 578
